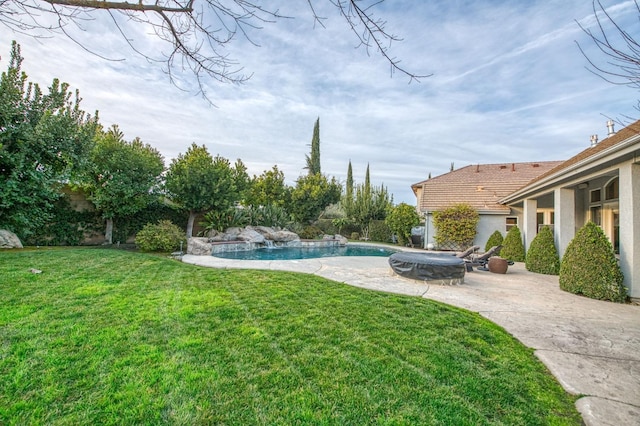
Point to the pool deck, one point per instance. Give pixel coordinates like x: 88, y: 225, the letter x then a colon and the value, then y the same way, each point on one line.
x: 591, y: 347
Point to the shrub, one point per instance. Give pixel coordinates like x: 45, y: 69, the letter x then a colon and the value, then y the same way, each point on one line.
x: 512, y: 247
x: 495, y: 239
x: 400, y: 220
x: 125, y: 227
x: 310, y: 232
x: 379, y: 231
x: 269, y: 215
x: 339, y: 223
x: 326, y: 226
x: 456, y: 226
x: 163, y: 236
x: 220, y: 220
x: 542, y: 256
x: 66, y: 226
x: 589, y: 266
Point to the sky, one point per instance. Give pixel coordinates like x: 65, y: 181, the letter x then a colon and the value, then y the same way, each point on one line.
x: 508, y: 84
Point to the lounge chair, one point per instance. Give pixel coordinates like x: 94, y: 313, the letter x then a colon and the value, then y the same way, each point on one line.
x: 468, y: 253
x: 481, y: 260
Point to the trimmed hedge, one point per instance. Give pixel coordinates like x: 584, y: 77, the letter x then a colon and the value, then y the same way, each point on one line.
x: 589, y: 266
x: 512, y: 247
x: 542, y: 256
x: 495, y: 239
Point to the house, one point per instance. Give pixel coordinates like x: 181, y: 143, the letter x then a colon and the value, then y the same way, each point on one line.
x: 482, y: 186
x: 600, y: 184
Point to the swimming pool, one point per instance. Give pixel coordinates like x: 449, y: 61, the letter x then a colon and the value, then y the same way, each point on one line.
x: 294, y: 253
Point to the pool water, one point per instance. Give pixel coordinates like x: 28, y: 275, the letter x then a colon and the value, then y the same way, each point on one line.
x: 294, y: 253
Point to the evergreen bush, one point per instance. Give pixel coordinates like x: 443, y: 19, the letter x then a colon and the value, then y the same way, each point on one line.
x: 542, y: 256
x: 163, y: 236
x: 495, y: 239
x: 589, y: 266
x: 512, y: 247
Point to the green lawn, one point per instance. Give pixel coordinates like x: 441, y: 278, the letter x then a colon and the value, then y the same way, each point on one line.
x: 112, y: 337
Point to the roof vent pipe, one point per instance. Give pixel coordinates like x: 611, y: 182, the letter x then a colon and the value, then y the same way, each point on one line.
x: 610, y: 128
x: 594, y: 140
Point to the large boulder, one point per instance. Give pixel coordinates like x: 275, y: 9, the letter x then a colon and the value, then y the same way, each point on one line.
x: 251, y: 236
x: 342, y: 240
x: 199, y: 246
x: 276, y: 235
x: 217, y: 237
x: 9, y: 240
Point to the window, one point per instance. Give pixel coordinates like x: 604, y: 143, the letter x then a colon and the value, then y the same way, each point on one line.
x: 612, y: 190
x: 595, y: 196
x: 596, y: 215
x: 511, y: 222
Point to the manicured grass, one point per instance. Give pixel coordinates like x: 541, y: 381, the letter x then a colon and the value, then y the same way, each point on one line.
x: 113, y: 337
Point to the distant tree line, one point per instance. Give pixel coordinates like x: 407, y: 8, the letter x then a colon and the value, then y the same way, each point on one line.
x: 47, y: 142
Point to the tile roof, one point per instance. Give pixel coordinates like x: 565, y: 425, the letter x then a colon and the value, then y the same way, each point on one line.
x: 480, y: 185
x: 621, y: 136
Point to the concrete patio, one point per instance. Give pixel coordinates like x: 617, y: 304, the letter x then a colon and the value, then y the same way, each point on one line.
x: 591, y: 347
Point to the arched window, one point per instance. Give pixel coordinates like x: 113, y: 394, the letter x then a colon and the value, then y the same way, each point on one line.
x: 612, y: 189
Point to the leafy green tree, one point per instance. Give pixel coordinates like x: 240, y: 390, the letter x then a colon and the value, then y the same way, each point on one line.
x: 268, y: 189
x: 401, y: 219
x: 44, y: 141
x: 542, y: 256
x: 456, y: 225
x: 124, y: 177
x: 512, y: 246
x: 200, y: 183
x: 311, y: 195
x: 241, y: 179
x: 313, y: 160
x: 589, y: 266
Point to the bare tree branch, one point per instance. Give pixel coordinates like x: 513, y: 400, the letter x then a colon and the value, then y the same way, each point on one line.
x: 198, y: 31
x: 621, y: 52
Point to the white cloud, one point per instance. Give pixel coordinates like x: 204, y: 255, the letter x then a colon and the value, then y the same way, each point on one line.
x: 509, y: 84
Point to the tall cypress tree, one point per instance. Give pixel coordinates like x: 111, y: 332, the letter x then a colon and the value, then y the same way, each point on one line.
x: 313, y: 161
x: 349, y: 188
x: 347, y: 199
x: 367, y: 183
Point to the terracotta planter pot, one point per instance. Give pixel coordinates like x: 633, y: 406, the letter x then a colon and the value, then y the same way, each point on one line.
x: 498, y: 265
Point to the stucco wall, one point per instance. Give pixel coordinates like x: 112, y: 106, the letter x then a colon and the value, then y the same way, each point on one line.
x: 487, y: 225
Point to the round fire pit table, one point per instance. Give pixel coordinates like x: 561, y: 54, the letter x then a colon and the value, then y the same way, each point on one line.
x: 433, y: 268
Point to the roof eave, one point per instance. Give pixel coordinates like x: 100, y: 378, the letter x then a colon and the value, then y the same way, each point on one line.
x: 560, y: 174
